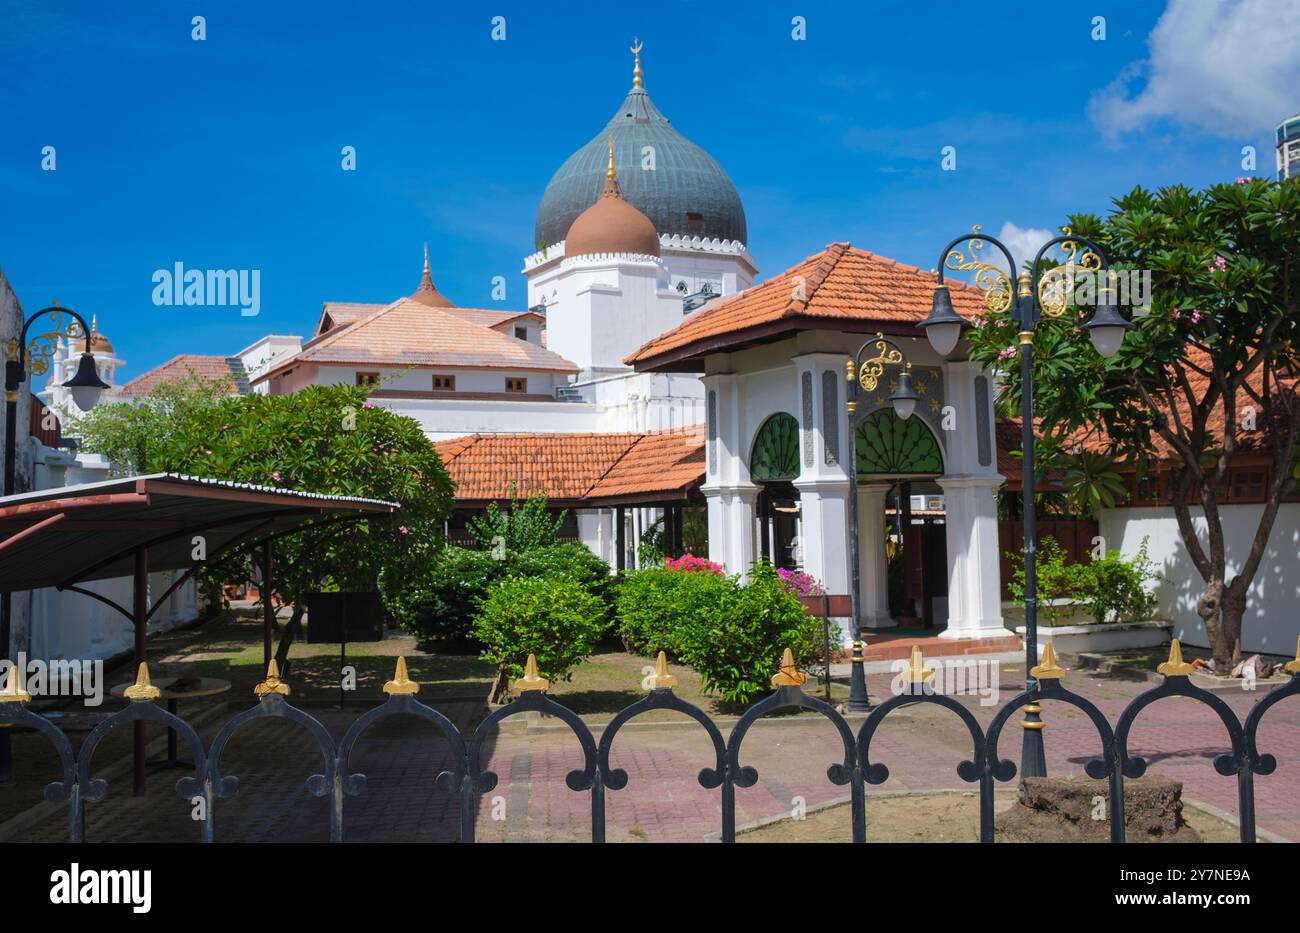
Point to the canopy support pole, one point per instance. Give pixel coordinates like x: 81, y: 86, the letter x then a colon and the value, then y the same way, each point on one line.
x: 268, y: 608
x: 141, y: 623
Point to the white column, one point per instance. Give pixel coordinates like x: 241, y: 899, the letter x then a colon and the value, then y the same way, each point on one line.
x: 873, y: 568
x: 974, y: 571
x: 732, y: 527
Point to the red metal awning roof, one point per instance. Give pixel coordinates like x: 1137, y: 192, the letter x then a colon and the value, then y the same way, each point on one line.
x: 71, y: 534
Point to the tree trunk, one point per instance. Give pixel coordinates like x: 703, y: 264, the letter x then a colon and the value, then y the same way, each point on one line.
x: 1222, y: 612
x: 291, y: 631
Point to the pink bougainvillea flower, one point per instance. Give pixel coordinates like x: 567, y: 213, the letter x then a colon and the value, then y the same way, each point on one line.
x: 1244, y: 181
x: 692, y: 564
x: 402, y: 529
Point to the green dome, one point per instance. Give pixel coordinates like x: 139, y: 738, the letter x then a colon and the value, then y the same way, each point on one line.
x: 687, y: 194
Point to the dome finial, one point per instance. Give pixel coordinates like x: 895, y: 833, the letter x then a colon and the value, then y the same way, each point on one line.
x: 609, y: 172
x: 637, y: 45
x: 426, y: 260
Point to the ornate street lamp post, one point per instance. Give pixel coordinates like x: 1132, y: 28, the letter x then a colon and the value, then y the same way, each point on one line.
x: 1037, y: 294
x: 86, y: 387
x: 863, y: 373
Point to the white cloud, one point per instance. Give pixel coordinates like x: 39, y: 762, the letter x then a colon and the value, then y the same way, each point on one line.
x: 1024, y: 242
x: 1229, y: 67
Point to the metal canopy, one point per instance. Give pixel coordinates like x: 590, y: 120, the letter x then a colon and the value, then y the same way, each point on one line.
x: 72, y: 534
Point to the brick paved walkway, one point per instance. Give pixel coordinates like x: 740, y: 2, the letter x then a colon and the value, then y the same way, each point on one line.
x: 663, y: 801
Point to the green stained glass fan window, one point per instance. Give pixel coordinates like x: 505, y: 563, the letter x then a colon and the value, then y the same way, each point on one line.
x: 891, y: 445
x: 776, y: 449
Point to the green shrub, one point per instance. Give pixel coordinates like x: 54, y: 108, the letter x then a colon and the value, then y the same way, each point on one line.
x: 1057, y: 580
x: 554, y: 618
x: 572, y: 559
x: 1116, y: 589
x: 739, y: 649
x: 656, y: 608
x: 440, y: 600
x: 1112, y: 588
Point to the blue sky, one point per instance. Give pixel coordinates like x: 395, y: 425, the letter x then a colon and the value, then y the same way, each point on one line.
x: 225, y: 153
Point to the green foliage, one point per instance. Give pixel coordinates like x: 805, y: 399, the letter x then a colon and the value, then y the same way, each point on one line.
x: 1223, y: 317
x: 521, y: 528
x: 1113, y: 588
x: 1117, y: 589
x: 655, y: 608
x: 732, y: 635
x: 554, y: 618
x: 442, y: 598
x: 325, y: 439
x: 133, y: 436
x: 653, y: 547
x: 1092, y: 483
x: 1057, y: 580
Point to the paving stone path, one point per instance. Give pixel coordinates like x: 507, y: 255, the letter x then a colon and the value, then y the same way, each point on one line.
x: 663, y: 800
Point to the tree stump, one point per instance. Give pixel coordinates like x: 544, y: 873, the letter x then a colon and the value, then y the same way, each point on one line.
x: 1070, y: 810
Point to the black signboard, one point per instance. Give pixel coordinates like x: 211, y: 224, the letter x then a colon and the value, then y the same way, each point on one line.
x: 338, y: 618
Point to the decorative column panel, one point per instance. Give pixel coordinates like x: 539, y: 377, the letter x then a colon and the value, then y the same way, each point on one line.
x: 873, y: 566
x: 969, y: 492
x: 823, y: 483
x: 730, y: 496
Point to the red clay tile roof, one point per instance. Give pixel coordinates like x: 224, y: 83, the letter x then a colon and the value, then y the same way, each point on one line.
x: 407, y: 333
x: 186, y: 367
x: 575, y: 468
x: 839, y: 284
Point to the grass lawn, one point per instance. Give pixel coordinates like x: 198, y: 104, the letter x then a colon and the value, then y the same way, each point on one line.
x: 611, y: 680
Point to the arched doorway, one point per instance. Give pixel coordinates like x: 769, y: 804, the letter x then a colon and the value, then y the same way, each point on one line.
x: 897, y: 461
x: 774, y: 465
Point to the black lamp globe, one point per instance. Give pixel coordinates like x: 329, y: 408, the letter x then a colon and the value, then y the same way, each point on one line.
x: 1107, y: 326
x: 904, y: 397
x: 943, y: 326
x: 86, y: 385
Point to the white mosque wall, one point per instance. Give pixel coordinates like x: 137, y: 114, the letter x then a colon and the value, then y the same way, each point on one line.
x: 405, y: 379
x: 606, y: 307
x: 260, y: 356
x: 1272, y: 619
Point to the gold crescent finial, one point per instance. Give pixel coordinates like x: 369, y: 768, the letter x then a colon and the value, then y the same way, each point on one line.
x: 609, y: 172
x: 917, y: 672
x: 401, y: 684
x: 661, y: 679
x: 637, y: 45
x: 13, y: 691
x: 273, y: 685
x: 1175, y: 666
x: 1047, y: 668
x: 789, y: 675
x: 142, y: 689
x: 531, y: 679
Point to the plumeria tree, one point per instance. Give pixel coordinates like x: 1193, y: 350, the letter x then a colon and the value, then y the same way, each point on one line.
x: 1208, y: 373
x: 325, y: 439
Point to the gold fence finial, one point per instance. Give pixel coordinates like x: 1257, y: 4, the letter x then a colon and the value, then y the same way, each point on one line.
x: 531, y: 679
x: 789, y: 675
x: 661, y: 679
x: 13, y: 692
x: 1293, y: 667
x: 401, y: 685
x: 1175, y: 667
x: 1047, y: 668
x: 142, y: 689
x: 272, y: 686
x: 917, y: 672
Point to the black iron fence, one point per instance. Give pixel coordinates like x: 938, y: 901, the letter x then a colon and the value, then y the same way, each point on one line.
x: 467, y: 779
